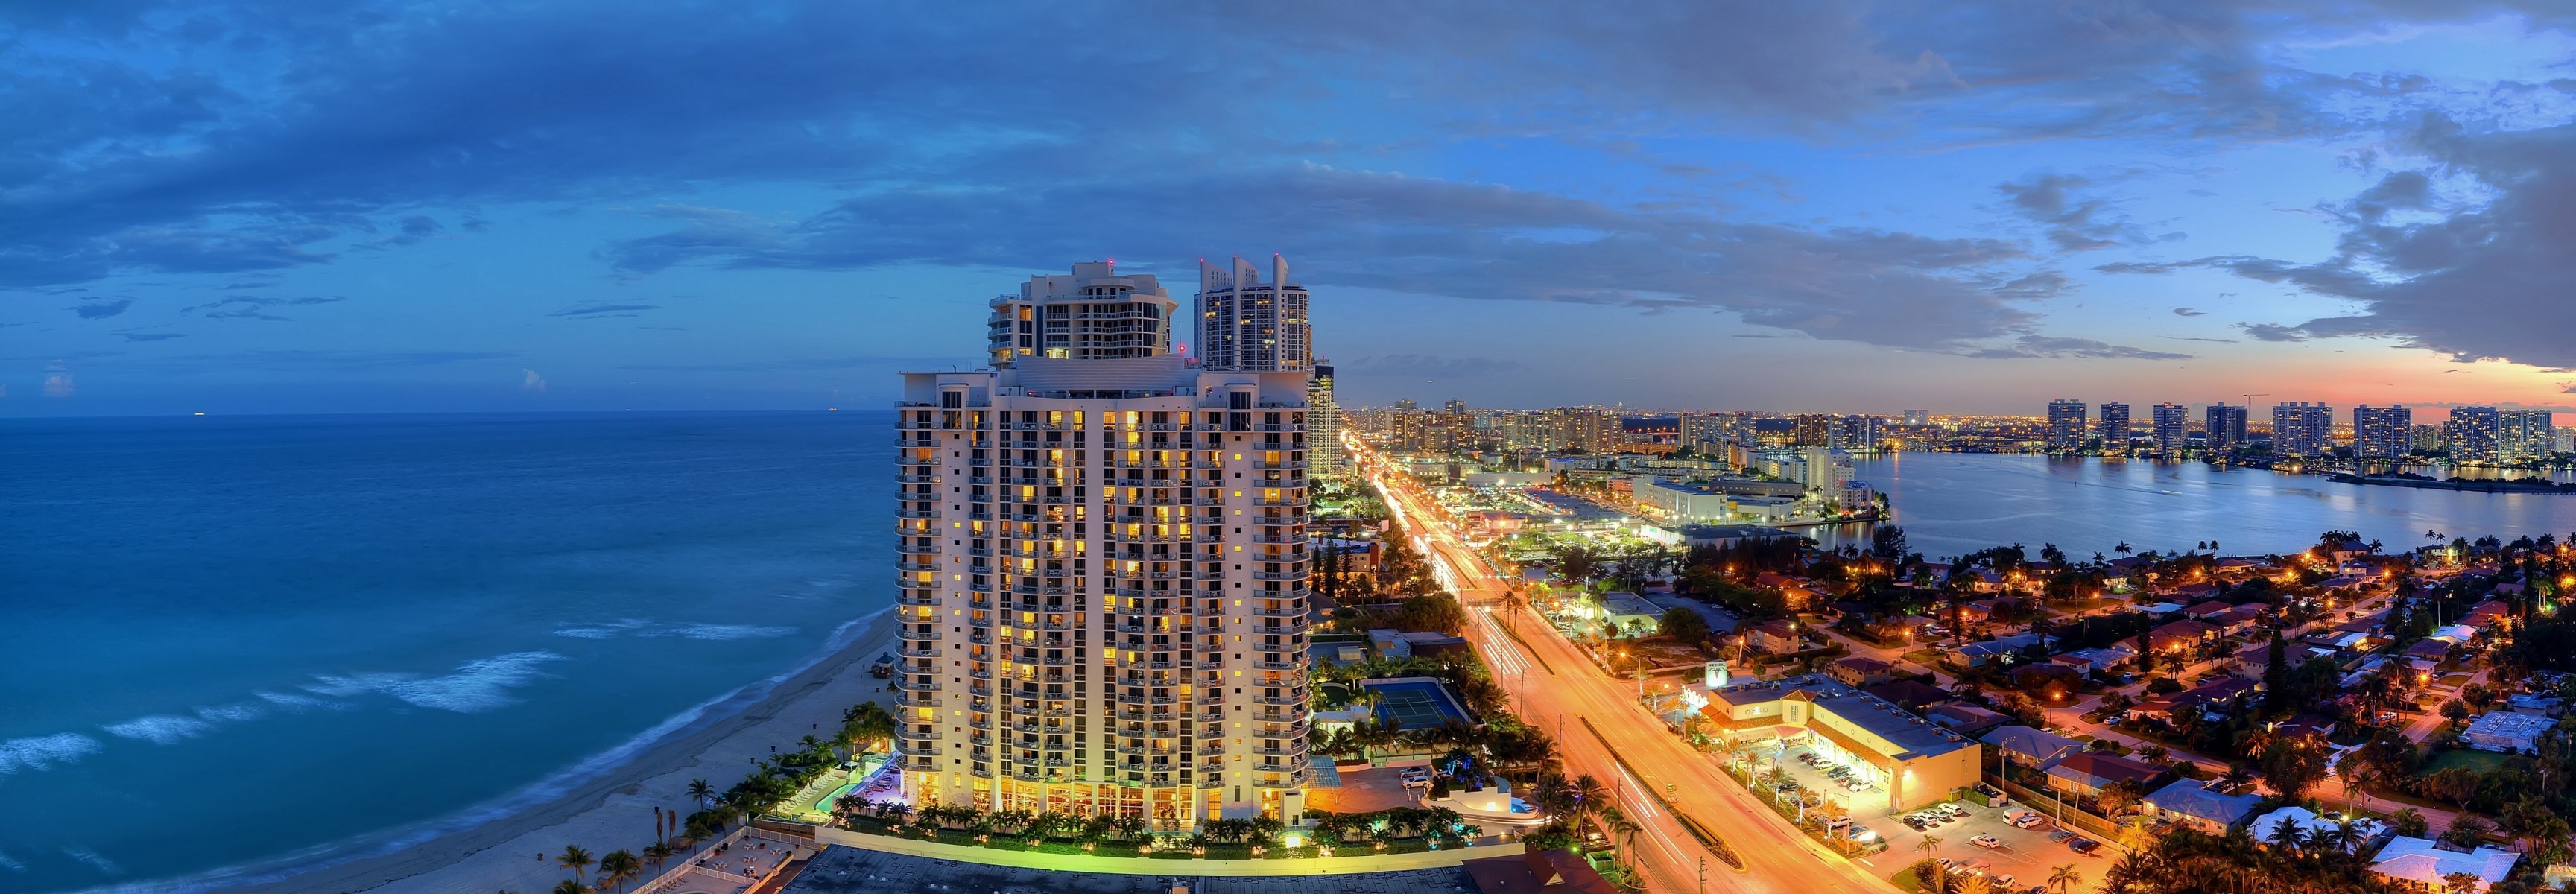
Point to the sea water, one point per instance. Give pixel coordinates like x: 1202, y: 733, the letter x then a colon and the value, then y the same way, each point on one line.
x: 226, y: 641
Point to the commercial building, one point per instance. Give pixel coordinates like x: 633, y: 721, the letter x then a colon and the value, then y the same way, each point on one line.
x: 2226, y: 425
x: 2114, y: 428
x: 2382, y: 432
x: 1682, y: 502
x: 2173, y: 423
x: 2524, y: 435
x: 1915, y: 761
x: 2065, y: 426
x: 2302, y: 429
x: 1102, y: 569
x: 2471, y: 434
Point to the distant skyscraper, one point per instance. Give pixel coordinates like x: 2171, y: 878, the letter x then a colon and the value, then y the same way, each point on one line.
x: 1104, y: 613
x: 2173, y: 421
x: 1246, y: 325
x: 2065, y: 426
x: 2428, y: 438
x: 2524, y: 434
x: 2226, y: 427
x: 1407, y: 405
x: 2302, y: 429
x: 2382, y: 432
x: 1323, y: 425
x: 1918, y: 417
x: 1857, y: 433
x: 2114, y: 428
x: 1454, y: 406
x: 1812, y: 430
x: 2471, y: 434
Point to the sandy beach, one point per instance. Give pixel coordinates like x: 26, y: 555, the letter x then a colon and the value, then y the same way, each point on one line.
x: 615, y: 811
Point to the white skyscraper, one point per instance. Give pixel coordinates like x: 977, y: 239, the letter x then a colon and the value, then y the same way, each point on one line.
x: 2524, y: 434
x: 1102, y: 569
x: 2065, y: 426
x: 2302, y: 429
x: 1246, y: 325
x: 2382, y: 432
x: 2173, y: 423
x: 2471, y: 434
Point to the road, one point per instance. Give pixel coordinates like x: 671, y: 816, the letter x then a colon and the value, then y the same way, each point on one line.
x: 1627, y: 749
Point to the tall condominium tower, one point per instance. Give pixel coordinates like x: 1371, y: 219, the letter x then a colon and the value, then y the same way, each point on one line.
x: 1857, y: 432
x: 2382, y: 432
x: 1091, y: 314
x: 2065, y: 426
x: 2114, y: 428
x: 2302, y: 429
x: 1102, y: 571
x: 2226, y: 427
x: 1918, y: 417
x: 1323, y: 425
x: 2524, y: 434
x: 2173, y: 422
x: 1246, y: 325
x: 2471, y: 434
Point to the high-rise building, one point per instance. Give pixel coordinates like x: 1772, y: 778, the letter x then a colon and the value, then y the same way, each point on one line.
x: 2065, y: 426
x: 2226, y: 424
x: 1811, y: 430
x: 2114, y: 428
x: 2302, y: 429
x: 2382, y: 432
x: 1323, y: 425
x: 2524, y: 435
x: 2173, y: 422
x: 1454, y: 405
x: 1102, y: 574
x: 2471, y: 434
x: 2428, y: 439
x: 1246, y: 325
x: 1091, y: 314
x: 1918, y: 417
x: 1857, y: 432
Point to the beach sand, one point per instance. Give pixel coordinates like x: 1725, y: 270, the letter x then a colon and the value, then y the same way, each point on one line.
x: 616, y: 810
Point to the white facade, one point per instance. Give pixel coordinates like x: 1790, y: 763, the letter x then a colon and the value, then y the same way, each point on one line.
x: 1092, y: 313
x: 2524, y: 434
x: 1102, y: 566
x: 2302, y: 429
x: 2173, y: 422
x: 2065, y: 425
x: 2382, y: 432
x: 1246, y: 325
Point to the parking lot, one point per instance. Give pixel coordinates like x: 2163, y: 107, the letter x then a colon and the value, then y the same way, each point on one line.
x: 1864, y: 804
x: 2025, y: 855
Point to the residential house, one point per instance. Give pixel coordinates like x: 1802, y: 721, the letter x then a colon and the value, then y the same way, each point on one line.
x: 1911, y: 695
x: 1965, y: 719
x: 2201, y: 611
x: 2030, y: 747
x: 1779, y: 637
x: 2236, y: 620
x: 2086, y: 774
x: 1557, y: 871
x: 2305, y: 726
x: 2187, y: 803
x: 2215, y: 696
x: 2000, y: 649
x: 1861, y: 670
x: 2510, y: 732
x: 2426, y: 865
x: 2179, y: 636
x: 2365, y: 831
x: 2103, y: 658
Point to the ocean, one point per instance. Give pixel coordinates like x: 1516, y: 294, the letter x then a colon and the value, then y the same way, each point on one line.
x: 229, y: 641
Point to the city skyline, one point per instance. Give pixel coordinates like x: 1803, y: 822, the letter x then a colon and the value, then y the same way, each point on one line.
x: 778, y: 210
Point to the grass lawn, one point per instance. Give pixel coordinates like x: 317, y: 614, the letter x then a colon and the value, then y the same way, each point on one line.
x: 2481, y: 761
x: 1904, y: 880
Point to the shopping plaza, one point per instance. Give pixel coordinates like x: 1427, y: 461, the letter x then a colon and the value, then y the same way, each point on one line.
x: 1897, y: 760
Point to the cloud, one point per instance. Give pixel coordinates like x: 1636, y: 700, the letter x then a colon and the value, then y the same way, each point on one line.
x: 595, y: 310
x: 58, y: 380
x: 99, y: 309
x: 531, y: 381
x: 2186, y: 312
x: 2223, y: 341
x: 1426, y: 366
x: 2037, y: 346
x: 253, y: 307
x: 151, y: 336
x: 2471, y: 279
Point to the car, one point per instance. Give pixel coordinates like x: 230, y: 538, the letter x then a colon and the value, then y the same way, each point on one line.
x: 1988, y: 842
x: 2028, y: 821
x: 2387, y: 716
x: 2084, y: 845
x: 2003, y: 880
x: 2059, y: 836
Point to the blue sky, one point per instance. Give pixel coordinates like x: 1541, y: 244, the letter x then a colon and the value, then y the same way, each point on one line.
x: 321, y: 207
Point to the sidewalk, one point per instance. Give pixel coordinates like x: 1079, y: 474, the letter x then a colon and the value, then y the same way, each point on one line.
x: 1149, y: 866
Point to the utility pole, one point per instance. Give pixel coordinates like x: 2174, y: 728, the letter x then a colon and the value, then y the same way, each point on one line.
x: 1703, y: 876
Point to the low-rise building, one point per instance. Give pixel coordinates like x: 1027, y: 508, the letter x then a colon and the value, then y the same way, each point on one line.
x: 1861, y: 670
x: 1965, y: 719
x: 2422, y: 863
x: 2365, y: 831
x: 2087, y: 774
x: 1915, y: 761
x: 2189, y: 804
x: 2178, y: 636
x: 1773, y: 638
x: 2030, y: 746
x: 2511, y: 732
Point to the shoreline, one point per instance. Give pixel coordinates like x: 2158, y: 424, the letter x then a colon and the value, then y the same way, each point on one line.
x: 612, y: 809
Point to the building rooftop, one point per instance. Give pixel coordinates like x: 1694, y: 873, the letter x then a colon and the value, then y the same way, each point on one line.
x: 2189, y: 798
x: 2419, y: 860
x: 2032, y: 743
x: 1916, y: 736
x: 849, y: 870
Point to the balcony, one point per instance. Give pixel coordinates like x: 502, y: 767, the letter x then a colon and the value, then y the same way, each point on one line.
x: 918, y: 650
x: 1290, y: 782
x: 916, y: 634
x: 916, y: 566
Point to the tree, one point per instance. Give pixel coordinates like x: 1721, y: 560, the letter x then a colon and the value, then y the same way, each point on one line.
x: 2409, y: 822
x: 1887, y: 543
x: 616, y: 868
x: 1681, y: 623
x: 568, y: 886
x: 2291, y: 768
x: 2276, y: 677
x: 2455, y: 710
x: 701, y: 792
x: 2467, y: 830
x: 2063, y: 879
x: 575, y: 859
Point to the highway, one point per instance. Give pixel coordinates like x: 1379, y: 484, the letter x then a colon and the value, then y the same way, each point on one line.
x: 1557, y: 688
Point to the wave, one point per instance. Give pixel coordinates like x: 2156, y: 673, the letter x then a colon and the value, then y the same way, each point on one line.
x: 161, y: 729
x: 555, y: 785
x: 729, y: 631
x: 482, y: 684
x: 230, y: 713
x: 12, y: 864
x: 91, y: 857
x: 43, y: 752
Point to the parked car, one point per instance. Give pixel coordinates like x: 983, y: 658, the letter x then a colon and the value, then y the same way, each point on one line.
x: 1988, y: 842
x: 2059, y: 836
x: 2084, y: 845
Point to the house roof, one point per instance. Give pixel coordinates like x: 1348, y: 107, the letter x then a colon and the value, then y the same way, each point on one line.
x: 2036, y: 744
x: 2364, y: 828
x: 2189, y: 798
x: 1530, y: 873
x: 1910, y: 694
x: 2210, y: 607
x: 2418, y: 860
x: 1963, y: 716
x: 2098, y: 770
x: 1864, y: 664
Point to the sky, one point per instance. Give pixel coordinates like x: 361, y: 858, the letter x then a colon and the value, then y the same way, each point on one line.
x: 325, y: 207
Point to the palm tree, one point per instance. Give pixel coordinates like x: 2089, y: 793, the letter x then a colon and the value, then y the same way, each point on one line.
x: 1930, y: 845
x: 618, y: 867
x: 659, y: 851
x: 2063, y: 878
x: 701, y: 792
x: 575, y: 859
x: 568, y: 886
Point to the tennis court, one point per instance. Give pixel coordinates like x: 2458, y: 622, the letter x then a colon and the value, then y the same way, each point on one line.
x: 1414, y: 703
